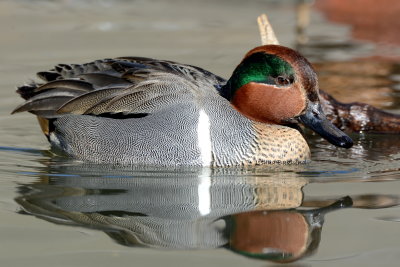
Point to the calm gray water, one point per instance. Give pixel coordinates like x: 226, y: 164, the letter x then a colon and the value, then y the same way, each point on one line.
x: 58, y: 212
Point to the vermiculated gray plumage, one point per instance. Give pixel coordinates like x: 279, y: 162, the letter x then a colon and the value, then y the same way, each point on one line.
x: 167, y: 98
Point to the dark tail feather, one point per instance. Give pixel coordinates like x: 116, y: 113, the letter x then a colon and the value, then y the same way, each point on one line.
x: 27, y: 91
x: 48, y: 76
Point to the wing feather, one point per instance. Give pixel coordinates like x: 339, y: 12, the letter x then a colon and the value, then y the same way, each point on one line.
x: 82, y: 103
x: 69, y: 84
x: 129, y: 85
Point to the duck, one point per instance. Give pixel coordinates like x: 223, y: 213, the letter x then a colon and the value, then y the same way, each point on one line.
x: 143, y: 111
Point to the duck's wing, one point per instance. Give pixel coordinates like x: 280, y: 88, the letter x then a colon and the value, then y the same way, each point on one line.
x: 126, y: 86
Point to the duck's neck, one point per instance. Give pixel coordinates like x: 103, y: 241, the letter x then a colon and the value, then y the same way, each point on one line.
x: 226, y: 91
x: 252, y: 69
x: 237, y: 80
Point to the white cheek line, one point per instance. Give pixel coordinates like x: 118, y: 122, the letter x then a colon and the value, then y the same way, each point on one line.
x: 281, y: 87
x: 204, y: 138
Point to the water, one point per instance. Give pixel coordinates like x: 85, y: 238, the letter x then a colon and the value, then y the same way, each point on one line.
x: 59, y: 212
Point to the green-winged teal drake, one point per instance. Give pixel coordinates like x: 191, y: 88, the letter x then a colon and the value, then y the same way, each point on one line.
x: 134, y: 110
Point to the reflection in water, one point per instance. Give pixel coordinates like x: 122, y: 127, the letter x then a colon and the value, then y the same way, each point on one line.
x: 372, y: 158
x: 249, y: 214
x: 368, y: 201
x: 281, y: 236
x: 367, y: 78
x: 348, y: 67
x: 369, y: 20
x: 172, y: 212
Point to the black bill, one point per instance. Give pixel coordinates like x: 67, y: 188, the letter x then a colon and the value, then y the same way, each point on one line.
x: 315, y: 119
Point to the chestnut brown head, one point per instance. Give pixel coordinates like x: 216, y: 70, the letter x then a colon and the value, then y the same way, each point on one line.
x: 275, y: 84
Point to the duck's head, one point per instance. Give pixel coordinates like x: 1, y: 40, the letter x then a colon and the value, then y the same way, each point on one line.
x: 275, y: 84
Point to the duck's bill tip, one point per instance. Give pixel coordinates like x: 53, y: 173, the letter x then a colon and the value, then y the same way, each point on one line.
x: 316, y: 121
x: 345, y: 142
x: 332, y: 134
x: 340, y: 141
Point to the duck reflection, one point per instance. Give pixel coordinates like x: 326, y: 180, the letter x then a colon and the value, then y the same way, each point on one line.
x: 251, y: 215
x: 281, y: 236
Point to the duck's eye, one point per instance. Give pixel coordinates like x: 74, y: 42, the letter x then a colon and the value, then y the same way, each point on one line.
x: 280, y: 80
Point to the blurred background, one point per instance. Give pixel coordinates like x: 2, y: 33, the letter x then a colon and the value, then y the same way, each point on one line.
x: 337, y: 36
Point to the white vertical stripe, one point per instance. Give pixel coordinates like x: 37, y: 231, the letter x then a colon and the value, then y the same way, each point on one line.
x: 204, y: 138
x: 204, y: 193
